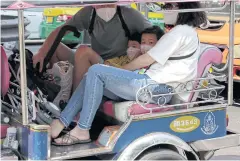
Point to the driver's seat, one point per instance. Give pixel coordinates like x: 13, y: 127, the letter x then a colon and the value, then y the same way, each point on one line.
x: 122, y: 110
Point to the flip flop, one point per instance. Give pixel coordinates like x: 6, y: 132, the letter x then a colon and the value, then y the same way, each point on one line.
x: 73, y: 140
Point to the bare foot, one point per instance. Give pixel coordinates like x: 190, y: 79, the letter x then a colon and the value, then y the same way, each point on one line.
x: 77, y: 134
x: 56, y: 128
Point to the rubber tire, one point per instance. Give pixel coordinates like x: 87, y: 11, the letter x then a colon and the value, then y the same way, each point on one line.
x: 72, y: 46
x: 161, y: 154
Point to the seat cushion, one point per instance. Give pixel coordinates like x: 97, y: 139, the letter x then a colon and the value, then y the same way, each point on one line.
x: 122, y: 110
x: 4, y: 128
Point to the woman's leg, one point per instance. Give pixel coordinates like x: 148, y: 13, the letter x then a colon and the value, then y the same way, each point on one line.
x: 70, y: 111
x: 122, y: 83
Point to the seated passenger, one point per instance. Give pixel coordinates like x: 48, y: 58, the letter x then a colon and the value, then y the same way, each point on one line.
x: 149, y: 38
x: 133, y: 51
x: 182, y: 40
x: 109, y: 30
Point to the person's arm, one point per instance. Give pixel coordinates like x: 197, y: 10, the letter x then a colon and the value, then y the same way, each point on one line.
x: 140, y: 62
x: 80, y: 20
x: 49, y: 41
x: 166, y: 47
x: 160, y: 53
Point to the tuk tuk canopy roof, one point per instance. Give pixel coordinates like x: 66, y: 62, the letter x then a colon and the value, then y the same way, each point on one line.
x: 15, y: 5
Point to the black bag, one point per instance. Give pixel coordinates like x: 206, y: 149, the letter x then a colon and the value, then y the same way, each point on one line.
x: 41, y: 79
x: 49, y: 88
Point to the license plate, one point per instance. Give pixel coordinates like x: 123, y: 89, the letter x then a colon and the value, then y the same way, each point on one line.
x: 49, y: 19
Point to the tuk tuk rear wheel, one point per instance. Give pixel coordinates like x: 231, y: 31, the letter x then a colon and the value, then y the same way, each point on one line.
x: 161, y: 154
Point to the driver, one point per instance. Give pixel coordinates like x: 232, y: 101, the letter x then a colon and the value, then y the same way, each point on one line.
x: 109, y: 27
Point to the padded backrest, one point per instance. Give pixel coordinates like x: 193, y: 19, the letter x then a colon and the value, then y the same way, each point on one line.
x: 209, y: 55
x: 5, y: 73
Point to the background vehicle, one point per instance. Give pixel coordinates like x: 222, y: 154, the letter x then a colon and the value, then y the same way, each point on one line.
x: 34, y: 15
x: 55, y: 17
x: 154, y: 18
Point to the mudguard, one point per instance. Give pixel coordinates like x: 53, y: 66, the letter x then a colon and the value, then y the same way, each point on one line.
x: 133, y: 150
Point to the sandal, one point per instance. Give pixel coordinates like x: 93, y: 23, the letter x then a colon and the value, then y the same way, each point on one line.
x: 68, y: 139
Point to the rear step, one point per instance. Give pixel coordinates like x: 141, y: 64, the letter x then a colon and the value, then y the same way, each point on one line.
x: 77, y: 151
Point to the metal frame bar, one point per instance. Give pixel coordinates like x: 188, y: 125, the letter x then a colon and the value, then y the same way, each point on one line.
x: 231, y: 52
x: 146, y: 11
x: 23, y: 80
x: 83, y: 3
x: 193, y: 10
x: 179, y: 112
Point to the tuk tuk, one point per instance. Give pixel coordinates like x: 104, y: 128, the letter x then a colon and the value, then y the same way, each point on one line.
x: 136, y: 130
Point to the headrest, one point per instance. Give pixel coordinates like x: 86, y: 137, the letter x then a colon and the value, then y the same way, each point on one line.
x: 209, y: 55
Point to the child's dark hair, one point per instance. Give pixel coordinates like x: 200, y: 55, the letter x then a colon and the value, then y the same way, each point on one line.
x: 135, y: 37
x: 154, y: 30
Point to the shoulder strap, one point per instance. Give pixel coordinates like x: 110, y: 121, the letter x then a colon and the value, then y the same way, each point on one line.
x: 91, y: 26
x: 124, y: 25
x: 179, y: 57
x: 185, y: 56
x: 90, y: 29
x: 182, y: 57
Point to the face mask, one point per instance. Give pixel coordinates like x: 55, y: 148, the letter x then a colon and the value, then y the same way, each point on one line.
x: 133, y: 52
x: 145, y: 48
x: 170, y: 18
x: 106, y: 13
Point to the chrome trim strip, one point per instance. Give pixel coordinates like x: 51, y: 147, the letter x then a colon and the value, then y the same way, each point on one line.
x: 178, y: 112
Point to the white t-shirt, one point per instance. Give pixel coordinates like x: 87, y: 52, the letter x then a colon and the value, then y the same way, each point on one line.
x: 182, y: 40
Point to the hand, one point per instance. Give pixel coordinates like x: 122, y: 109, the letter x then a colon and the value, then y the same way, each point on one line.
x: 38, y: 58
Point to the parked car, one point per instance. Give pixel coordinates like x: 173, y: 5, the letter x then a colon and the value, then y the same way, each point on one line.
x: 34, y: 15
